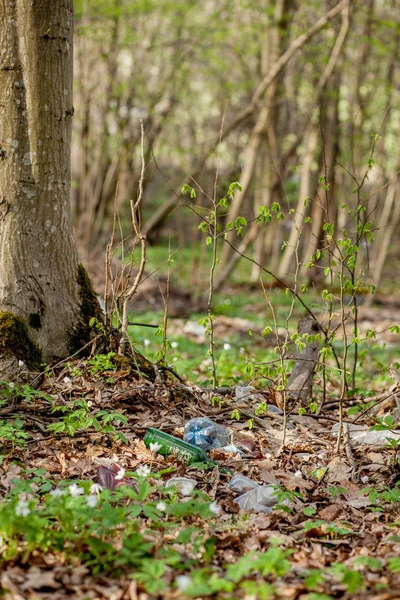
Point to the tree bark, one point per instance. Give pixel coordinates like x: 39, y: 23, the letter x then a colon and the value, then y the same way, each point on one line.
x: 45, y: 296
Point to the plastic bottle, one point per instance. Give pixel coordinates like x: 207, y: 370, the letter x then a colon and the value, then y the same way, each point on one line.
x: 205, y: 434
x: 171, y: 445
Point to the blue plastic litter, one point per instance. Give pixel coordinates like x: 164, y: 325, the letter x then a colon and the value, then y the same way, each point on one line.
x: 206, y: 434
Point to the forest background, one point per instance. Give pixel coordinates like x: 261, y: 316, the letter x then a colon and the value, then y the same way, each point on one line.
x: 296, y: 101
x: 255, y: 146
x: 320, y: 116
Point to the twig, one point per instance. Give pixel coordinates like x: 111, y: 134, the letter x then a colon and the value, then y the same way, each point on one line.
x: 133, y: 323
x: 171, y: 370
x: 73, y: 355
x: 349, y: 452
x: 127, y: 294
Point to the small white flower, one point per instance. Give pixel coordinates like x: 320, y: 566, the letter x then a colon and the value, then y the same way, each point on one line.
x: 174, y: 344
x: 21, y: 364
x: 215, y: 508
x: 183, y: 582
x: 143, y: 471
x: 364, y: 479
x: 92, y: 501
x: 155, y: 447
x: 57, y: 492
x: 175, y: 359
x: 121, y: 474
x: 96, y: 488
x: 67, y: 380
x: 227, y: 346
x: 146, y: 343
x: 75, y: 490
x: 298, y: 474
x: 89, y: 403
x: 11, y: 384
x: 22, y: 508
x: 241, y: 350
x: 161, y: 506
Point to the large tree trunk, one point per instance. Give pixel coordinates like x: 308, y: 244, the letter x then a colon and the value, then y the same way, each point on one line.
x: 45, y: 296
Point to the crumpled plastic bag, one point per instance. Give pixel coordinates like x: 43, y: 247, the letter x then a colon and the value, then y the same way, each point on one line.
x: 260, y: 498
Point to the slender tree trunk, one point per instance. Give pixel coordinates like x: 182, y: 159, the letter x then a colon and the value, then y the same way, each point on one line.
x: 42, y: 287
x: 264, y: 120
x: 301, y: 208
x: 324, y: 208
x: 311, y: 147
x: 269, y: 154
x: 388, y: 224
x: 262, y: 197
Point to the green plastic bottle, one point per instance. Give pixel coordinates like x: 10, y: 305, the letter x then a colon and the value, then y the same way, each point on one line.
x: 171, y: 445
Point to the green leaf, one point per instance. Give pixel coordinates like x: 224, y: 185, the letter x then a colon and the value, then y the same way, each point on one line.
x: 309, y: 511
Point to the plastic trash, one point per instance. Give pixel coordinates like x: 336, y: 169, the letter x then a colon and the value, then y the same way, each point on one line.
x: 171, y: 445
x: 260, y: 498
x: 248, y: 392
x: 362, y: 434
x: 231, y: 449
x: 241, y: 483
x: 205, y: 434
x: 184, y: 485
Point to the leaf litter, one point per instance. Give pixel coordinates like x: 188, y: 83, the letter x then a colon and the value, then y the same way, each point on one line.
x: 330, y: 536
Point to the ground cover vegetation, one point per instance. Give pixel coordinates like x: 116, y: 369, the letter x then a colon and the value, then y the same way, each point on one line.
x: 235, y: 202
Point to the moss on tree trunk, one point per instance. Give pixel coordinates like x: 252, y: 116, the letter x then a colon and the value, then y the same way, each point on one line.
x: 89, y: 309
x: 14, y: 337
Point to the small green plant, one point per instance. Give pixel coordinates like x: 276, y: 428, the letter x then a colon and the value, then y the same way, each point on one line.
x: 12, y: 433
x: 331, y: 530
x: 78, y: 415
x: 102, y: 362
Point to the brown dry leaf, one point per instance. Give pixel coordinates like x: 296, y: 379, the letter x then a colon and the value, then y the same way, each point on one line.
x: 95, y: 450
x: 293, y: 483
x: 36, y: 579
x: 267, y: 474
x: 330, y: 512
x: 62, y: 460
x: 338, y: 470
x: 10, y: 472
x: 357, y: 500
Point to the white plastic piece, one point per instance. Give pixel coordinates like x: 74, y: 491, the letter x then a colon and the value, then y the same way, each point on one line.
x: 184, y: 485
x: 362, y: 434
x: 260, y: 498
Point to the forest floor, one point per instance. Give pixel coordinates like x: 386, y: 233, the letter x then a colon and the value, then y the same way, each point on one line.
x: 335, y: 532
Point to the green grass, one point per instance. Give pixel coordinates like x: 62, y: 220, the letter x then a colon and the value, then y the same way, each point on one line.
x: 189, y: 269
